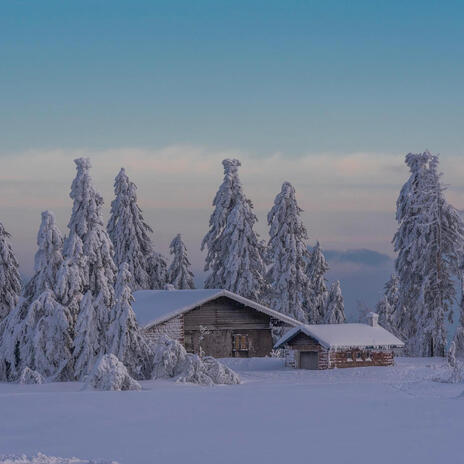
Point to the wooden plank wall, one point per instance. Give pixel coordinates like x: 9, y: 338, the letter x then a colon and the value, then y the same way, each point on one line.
x: 224, y: 313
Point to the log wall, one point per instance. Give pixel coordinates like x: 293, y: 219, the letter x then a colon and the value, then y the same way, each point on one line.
x: 341, y: 358
x: 349, y: 358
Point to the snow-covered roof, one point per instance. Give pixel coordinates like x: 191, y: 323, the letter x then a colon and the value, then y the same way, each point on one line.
x: 344, y: 336
x: 152, y: 307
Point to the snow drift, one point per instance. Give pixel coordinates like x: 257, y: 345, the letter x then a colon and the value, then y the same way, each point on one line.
x: 110, y: 374
x: 42, y: 459
x: 172, y: 361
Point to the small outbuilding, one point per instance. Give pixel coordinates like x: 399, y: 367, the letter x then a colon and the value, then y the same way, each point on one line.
x: 217, y: 323
x: 326, y: 346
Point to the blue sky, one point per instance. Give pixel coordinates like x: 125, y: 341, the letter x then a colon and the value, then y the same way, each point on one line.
x: 259, y: 76
x: 329, y: 95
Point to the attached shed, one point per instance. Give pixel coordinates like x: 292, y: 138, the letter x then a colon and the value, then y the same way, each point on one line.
x: 326, y: 346
x: 218, y: 323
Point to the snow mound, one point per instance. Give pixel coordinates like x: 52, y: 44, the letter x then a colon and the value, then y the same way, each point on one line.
x: 172, y: 361
x: 42, y: 459
x: 170, y: 355
x: 110, y: 374
x: 220, y: 373
x: 29, y: 376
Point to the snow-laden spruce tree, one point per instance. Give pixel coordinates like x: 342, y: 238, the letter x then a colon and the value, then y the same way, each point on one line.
x: 86, y: 223
x: 335, y: 311
x: 388, y: 307
x: 459, y: 335
x: 38, y: 331
x: 318, y: 295
x: 125, y: 339
x: 235, y: 254
x: 48, y: 346
x: 10, y: 283
x: 428, y: 242
x: 48, y: 257
x: 90, y: 340
x: 180, y: 274
x: 288, y: 255
x: 158, y: 270
x: 130, y: 233
x: 88, y: 252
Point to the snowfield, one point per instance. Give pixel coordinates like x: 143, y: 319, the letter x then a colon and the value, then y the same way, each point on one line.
x: 277, y: 415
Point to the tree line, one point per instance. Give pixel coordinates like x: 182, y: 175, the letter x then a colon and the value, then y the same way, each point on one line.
x: 77, y: 305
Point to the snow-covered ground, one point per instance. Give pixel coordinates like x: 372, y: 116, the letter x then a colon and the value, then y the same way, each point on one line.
x: 277, y: 415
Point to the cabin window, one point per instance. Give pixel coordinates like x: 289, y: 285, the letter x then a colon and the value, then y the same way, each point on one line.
x: 240, y: 342
x: 349, y: 356
x: 359, y: 356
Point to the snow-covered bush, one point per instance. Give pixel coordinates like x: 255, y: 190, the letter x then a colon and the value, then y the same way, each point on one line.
x: 193, y: 371
x: 172, y: 361
x: 110, y: 374
x: 219, y: 372
x: 28, y: 376
x: 170, y: 355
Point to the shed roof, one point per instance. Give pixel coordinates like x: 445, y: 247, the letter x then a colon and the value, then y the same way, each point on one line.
x: 344, y: 336
x: 152, y: 307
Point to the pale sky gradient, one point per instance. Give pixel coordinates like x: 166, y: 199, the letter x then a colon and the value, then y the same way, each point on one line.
x: 329, y: 95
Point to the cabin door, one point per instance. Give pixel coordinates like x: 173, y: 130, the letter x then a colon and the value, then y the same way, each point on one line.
x: 309, y: 360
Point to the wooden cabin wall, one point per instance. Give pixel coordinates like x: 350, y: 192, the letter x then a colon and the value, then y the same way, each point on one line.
x: 304, y: 343
x: 374, y: 357
x: 222, y: 319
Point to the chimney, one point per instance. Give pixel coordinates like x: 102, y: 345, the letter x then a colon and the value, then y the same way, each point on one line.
x: 373, y: 319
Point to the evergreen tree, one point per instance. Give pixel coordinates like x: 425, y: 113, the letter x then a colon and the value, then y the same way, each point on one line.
x: 88, y: 270
x: 158, y: 270
x: 388, y: 307
x: 288, y: 255
x: 125, y: 339
x: 179, y: 272
x: 335, y: 312
x: 38, y: 330
x: 235, y: 253
x: 48, y: 258
x: 88, y: 241
x: 459, y: 335
x: 130, y: 233
x: 318, y: 294
x: 10, y: 283
x: 90, y: 334
x: 428, y: 242
x: 48, y: 338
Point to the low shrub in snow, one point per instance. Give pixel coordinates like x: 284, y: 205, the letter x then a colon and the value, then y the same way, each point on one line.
x: 110, y: 374
x: 42, y: 459
x: 29, y: 376
x: 172, y: 361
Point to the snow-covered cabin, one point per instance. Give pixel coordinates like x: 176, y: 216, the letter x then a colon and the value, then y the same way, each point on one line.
x: 326, y: 346
x: 218, y: 323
